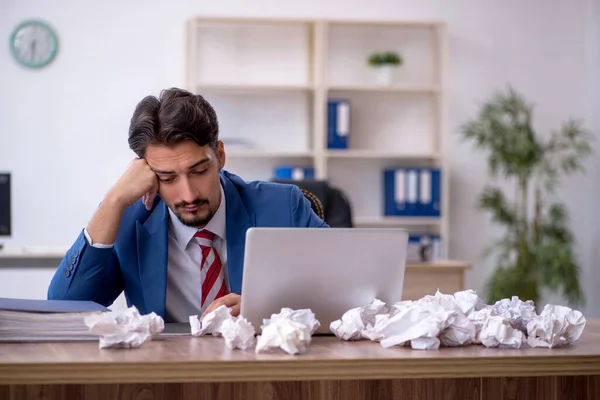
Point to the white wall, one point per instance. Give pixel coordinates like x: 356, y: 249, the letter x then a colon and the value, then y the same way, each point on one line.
x: 61, y: 124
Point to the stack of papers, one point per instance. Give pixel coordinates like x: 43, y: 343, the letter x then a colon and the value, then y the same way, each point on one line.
x: 24, y: 320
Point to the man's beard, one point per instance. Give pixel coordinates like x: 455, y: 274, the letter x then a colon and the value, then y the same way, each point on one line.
x: 195, y: 221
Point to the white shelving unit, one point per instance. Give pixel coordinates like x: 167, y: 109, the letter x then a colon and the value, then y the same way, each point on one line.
x: 269, y: 81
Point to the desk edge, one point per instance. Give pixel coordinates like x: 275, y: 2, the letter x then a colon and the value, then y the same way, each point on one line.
x: 295, y: 370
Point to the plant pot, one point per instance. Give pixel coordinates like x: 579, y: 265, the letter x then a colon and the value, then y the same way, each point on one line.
x: 385, y: 74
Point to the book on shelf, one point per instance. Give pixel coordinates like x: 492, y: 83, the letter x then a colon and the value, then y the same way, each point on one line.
x: 28, y: 320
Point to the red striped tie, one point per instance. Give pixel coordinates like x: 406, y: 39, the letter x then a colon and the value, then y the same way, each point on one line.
x: 213, y: 279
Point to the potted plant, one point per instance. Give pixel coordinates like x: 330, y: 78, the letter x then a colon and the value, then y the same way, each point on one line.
x: 536, y: 250
x: 385, y: 63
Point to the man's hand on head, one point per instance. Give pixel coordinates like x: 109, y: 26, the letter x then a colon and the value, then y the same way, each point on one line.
x: 232, y: 301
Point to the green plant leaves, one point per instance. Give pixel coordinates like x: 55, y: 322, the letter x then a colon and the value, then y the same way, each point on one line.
x: 385, y: 58
x: 537, y: 247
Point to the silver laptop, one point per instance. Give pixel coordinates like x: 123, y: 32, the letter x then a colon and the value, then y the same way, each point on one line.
x: 328, y: 270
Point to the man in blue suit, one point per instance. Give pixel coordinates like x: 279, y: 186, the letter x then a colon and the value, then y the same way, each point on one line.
x: 171, y: 231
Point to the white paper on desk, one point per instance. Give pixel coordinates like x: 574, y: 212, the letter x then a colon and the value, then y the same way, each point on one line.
x: 459, y: 330
x: 303, y: 316
x: 517, y: 312
x: 468, y: 301
x: 555, y: 326
x: 212, y: 323
x: 419, y: 321
x: 238, y: 333
x: 358, y: 323
x: 498, y: 332
x: 124, y: 328
x: 286, y: 334
x: 290, y: 330
x: 477, y: 319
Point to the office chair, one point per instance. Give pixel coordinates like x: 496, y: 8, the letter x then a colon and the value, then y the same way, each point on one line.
x: 315, y: 203
x: 335, y: 206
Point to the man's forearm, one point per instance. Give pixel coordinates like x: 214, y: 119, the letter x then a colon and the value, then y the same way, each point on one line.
x: 104, y: 225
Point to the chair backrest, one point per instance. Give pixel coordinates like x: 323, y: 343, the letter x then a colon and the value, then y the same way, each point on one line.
x: 336, y: 208
x: 315, y: 203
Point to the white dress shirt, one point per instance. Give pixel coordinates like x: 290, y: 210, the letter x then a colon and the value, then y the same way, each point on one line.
x: 184, y: 280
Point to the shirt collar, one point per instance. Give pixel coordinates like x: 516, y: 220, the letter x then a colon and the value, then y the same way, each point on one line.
x: 184, y: 234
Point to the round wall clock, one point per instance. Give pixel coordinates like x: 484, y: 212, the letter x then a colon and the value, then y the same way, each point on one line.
x: 33, y: 44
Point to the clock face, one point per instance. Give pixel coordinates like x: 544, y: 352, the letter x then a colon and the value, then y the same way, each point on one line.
x: 33, y: 44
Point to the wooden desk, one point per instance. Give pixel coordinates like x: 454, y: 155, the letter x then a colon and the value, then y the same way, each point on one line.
x: 184, y: 367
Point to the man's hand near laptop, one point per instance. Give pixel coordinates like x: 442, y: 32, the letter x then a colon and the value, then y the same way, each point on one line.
x: 232, y: 301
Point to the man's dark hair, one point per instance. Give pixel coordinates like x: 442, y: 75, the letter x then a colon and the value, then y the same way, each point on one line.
x: 176, y: 115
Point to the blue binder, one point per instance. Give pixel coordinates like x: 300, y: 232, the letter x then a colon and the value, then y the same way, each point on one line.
x: 412, y: 191
x: 338, y: 123
x: 429, y: 192
x: 401, y: 192
x: 290, y: 172
x: 394, y: 184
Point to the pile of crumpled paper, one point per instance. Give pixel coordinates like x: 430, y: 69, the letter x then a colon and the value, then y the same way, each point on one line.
x: 458, y: 320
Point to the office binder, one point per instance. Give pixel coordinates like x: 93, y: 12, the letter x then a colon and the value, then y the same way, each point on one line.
x: 296, y: 173
x: 412, y: 190
x: 430, y: 192
x: 338, y: 123
x: 395, y: 195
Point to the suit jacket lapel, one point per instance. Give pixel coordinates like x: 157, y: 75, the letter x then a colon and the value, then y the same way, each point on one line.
x: 238, y: 220
x: 152, y: 248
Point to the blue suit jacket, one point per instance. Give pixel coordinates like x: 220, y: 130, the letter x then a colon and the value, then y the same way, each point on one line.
x: 137, y: 263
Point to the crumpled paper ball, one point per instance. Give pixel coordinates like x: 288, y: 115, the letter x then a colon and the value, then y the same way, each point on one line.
x: 237, y: 331
x: 555, y: 326
x: 517, y: 312
x: 303, y: 316
x: 497, y: 331
x: 358, y: 322
x: 124, y: 328
x: 290, y: 331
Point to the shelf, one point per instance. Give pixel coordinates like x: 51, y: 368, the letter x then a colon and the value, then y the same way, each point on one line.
x: 270, y: 80
x: 253, y: 89
x: 33, y: 252
x: 396, y: 221
x: 375, y: 154
x: 439, y: 264
x: 415, y: 89
x: 252, y: 153
x: 387, y: 24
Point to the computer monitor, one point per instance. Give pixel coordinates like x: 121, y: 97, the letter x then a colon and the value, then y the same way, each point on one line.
x: 5, y: 206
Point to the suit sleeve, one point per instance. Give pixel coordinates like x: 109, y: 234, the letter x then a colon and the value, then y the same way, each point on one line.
x: 303, y: 215
x: 87, y: 273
